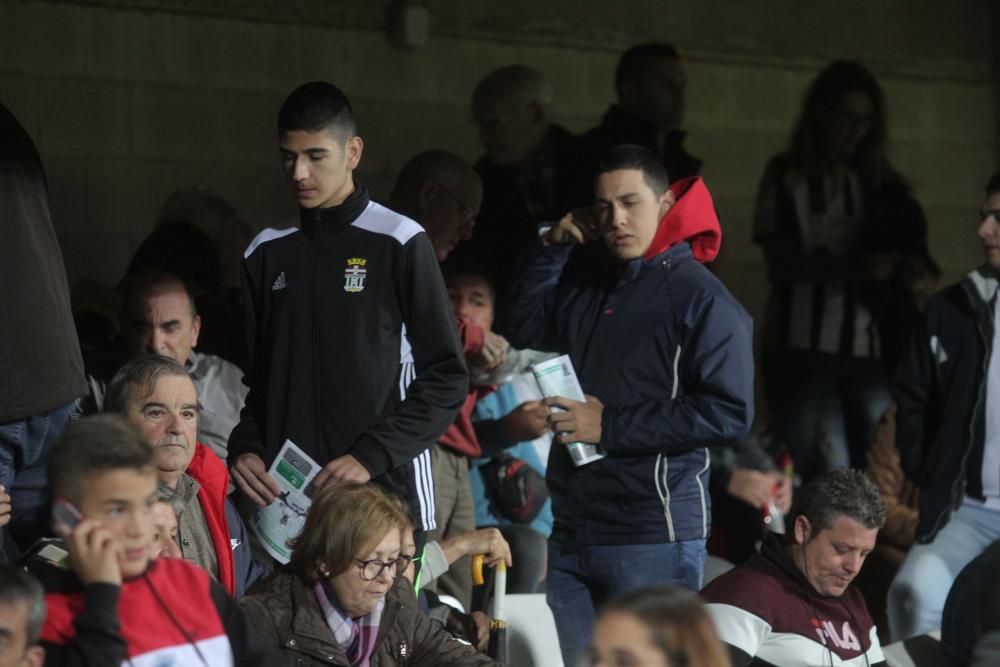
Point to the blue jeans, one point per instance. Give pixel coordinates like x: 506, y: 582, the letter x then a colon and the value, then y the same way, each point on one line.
x: 918, y: 593
x: 24, y: 456
x: 582, y: 578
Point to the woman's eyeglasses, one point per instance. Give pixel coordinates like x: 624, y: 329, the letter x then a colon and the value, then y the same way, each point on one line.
x: 372, y: 569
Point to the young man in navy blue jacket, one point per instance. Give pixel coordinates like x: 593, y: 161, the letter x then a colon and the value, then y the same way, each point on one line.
x: 664, y: 353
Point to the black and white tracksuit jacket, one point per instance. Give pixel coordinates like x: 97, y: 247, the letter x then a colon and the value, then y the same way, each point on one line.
x: 354, y: 347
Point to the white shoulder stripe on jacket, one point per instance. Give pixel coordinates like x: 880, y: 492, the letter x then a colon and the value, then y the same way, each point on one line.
x: 269, y: 234
x: 381, y: 220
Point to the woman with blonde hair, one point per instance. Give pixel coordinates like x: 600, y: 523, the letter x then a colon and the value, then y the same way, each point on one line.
x: 341, y: 600
x: 663, y: 626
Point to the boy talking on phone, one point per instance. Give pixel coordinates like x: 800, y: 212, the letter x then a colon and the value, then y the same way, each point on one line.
x: 115, y: 603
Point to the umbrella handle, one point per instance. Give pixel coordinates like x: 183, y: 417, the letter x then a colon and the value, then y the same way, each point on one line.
x: 477, y: 569
x: 499, y: 583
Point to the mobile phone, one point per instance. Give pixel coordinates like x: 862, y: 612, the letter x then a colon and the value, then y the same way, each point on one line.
x: 65, y: 515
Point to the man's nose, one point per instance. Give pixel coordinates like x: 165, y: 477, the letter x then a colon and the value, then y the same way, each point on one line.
x: 156, y: 342
x: 300, y: 170
x: 174, y: 424
x: 852, y: 563
x: 987, y: 227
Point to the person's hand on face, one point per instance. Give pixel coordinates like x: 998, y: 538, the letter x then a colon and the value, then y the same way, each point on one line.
x: 94, y: 553
x: 493, y: 353
x: 251, y: 476
x: 576, y: 421
x: 527, y: 421
x: 581, y: 225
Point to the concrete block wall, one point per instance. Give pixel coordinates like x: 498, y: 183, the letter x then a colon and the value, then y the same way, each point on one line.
x: 130, y: 100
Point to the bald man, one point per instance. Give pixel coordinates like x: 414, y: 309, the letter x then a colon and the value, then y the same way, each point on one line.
x: 533, y: 170
x: 159, y: 317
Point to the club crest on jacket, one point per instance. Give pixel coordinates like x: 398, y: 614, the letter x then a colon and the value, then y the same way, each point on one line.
x: 354, y: 275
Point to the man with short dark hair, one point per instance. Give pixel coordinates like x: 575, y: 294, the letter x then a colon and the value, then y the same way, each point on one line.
x: 159, y: 398
x: 793, y: 605
x: 354, y: 352
x: 650, y: 81
x: 22, y: 612
x: 663, y: 351
x: 159, y: 316
x: 117, y: 604
x: 947, y: 387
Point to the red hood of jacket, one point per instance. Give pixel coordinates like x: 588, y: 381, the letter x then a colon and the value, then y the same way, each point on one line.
x: 211, y: 474
x: 692, y: 218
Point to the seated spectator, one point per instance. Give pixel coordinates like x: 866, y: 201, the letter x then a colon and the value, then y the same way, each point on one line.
x: 508, y: 482
x: 160, y: 318
x: 118, y: 605
x: 165, y: 513
x: 663, y: 625
x: 156, y: 394
x: 745, y: 482
x: 793, y: 604
x: 342, y: 601
x: 22, y: 612
x: 533, y: 170
x: 948, y: 433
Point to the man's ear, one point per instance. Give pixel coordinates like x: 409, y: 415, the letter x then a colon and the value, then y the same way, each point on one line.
x: 802, y: 530
x: 426, y: 194
x: 195, y: 330
x: 35, y: 656
x: 354, y: 148
x: 627, y: 93
x: 667, y: 200
x: 536, y: 112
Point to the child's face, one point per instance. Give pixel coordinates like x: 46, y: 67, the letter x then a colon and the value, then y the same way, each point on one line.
x: 472, y: 299
x: 122, y: 501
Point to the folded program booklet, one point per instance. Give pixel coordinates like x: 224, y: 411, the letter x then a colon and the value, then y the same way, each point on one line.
x: 556, y: 377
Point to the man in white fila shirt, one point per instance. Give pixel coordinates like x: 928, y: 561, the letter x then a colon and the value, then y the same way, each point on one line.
x: 948, y: 433
x: 354, y: 353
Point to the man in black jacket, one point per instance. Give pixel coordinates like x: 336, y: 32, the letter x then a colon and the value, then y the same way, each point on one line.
x: 355, y: 357
x: 650, y: 81
x: 42, y: 372
x: 948, y: 433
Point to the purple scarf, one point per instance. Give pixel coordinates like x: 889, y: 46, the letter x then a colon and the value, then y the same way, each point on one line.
x: 356, y: 636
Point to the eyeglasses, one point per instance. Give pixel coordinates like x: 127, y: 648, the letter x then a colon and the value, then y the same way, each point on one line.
x: 372, y: 569
x: 468, y: 215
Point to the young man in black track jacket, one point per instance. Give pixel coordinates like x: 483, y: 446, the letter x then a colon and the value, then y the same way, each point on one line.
x: 355, y: 356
